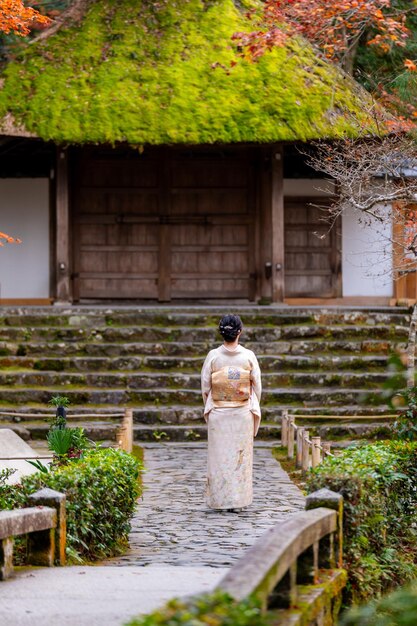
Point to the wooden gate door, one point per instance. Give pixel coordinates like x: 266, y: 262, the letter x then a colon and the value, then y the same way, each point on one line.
x: 169, y: 225
x: 116, y: 228
x: 211, y: 226
x: 312, y: 252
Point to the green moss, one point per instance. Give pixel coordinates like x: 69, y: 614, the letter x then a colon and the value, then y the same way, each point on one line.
x: 156, y: 73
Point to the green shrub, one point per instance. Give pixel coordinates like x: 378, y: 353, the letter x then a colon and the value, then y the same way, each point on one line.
x: 405, y: 425
x: 102, y: 488
x: 216, y: 609
x: 378, y: 483
x: 11, y: 496
x: 396, y: 609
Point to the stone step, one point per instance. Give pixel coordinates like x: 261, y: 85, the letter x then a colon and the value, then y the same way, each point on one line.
x: 107, y: 431
x: 198, y: 316
x: 178, y: 380
x: 116, y: 334
x: 295, y: 347
x: 277, y: 396
x: 275, y: 363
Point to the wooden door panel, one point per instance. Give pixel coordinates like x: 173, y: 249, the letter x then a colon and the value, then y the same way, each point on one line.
x: 307, y: 261
x: 206, y: 263
x: 124, y: 174
x: 209, y: 202
x: 312, y: 252
x: 117, y: 228
x: 119, y: 287
x: 207, y: 173
x: 195, y: 288
x: 164, y: 227
x: 132, y: 203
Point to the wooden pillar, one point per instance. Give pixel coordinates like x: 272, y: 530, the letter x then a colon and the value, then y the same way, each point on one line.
x: 277, y: 213
x: 62, y: 239
x: 165, y: 253
x: 270, y: 257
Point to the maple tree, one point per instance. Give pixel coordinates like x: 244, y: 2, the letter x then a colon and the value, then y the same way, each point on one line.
x: 373, y: 40
x: 335, y: 26
x: 17, y: 18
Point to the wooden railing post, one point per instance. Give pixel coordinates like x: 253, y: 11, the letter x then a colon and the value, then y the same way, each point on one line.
x: 291, y: 431
x: 284, y: 428
x: 305, y: 455
x: 125, y: 432
x: 54, y: 500
x: 326, y: 448
x: 129, y: 430
x: 331, y: 547
x: 315, y: 451
x: 411, y: 349
x: 299, y: 451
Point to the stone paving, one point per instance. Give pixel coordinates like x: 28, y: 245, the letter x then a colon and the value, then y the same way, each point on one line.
x: 173, y: 525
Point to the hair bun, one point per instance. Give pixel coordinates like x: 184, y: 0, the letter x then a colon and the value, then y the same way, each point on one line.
x: 230, y: 327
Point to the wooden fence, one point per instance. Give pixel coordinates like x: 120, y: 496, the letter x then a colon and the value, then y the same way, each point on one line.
x: 45, y: 525
x: 124, y: 436
x: 124, y: 432
x: 308, y: 452
x: 291, y: 554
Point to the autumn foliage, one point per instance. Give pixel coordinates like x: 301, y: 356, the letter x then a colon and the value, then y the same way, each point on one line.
x: 335, y: 26
x: 17, y: 18
x: 339, y: 29
x: 7, y: 239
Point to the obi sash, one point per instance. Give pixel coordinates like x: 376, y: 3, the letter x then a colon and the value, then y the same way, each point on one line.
x: 230, y: 386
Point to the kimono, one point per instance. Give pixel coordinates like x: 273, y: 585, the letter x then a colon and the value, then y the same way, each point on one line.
x: 231, y: 388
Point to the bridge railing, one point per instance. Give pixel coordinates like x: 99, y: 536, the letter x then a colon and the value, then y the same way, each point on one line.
x: 286, y: 563
x: 45, y: 525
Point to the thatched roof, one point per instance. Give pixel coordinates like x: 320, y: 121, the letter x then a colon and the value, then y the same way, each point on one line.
x: 160, y: 72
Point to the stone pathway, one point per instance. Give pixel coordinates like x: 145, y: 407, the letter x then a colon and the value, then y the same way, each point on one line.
x: 189, y: 546
x: 173, y: 525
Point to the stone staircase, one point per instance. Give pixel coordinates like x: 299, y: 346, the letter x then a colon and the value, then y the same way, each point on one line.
x: 314, y: 361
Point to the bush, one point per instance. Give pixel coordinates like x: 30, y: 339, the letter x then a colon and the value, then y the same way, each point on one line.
x: 378, y: 483
x: 396, y: 609
x: 216, y: 609
x: 102, y: 488
x: 405, y: 425
x: 11, y: 496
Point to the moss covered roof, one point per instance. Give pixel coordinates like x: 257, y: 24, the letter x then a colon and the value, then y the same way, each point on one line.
x: 160, y: 72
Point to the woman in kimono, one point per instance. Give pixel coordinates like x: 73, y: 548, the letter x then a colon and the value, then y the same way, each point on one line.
x: 231, y: 387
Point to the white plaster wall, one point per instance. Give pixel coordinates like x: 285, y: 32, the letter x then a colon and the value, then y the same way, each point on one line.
x: 366, y: 257
x: 366, y: 249
x: 24, y: 213
x: 307, y: 187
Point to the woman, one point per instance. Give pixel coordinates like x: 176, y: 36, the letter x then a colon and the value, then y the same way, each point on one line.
x: 231, y: 386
